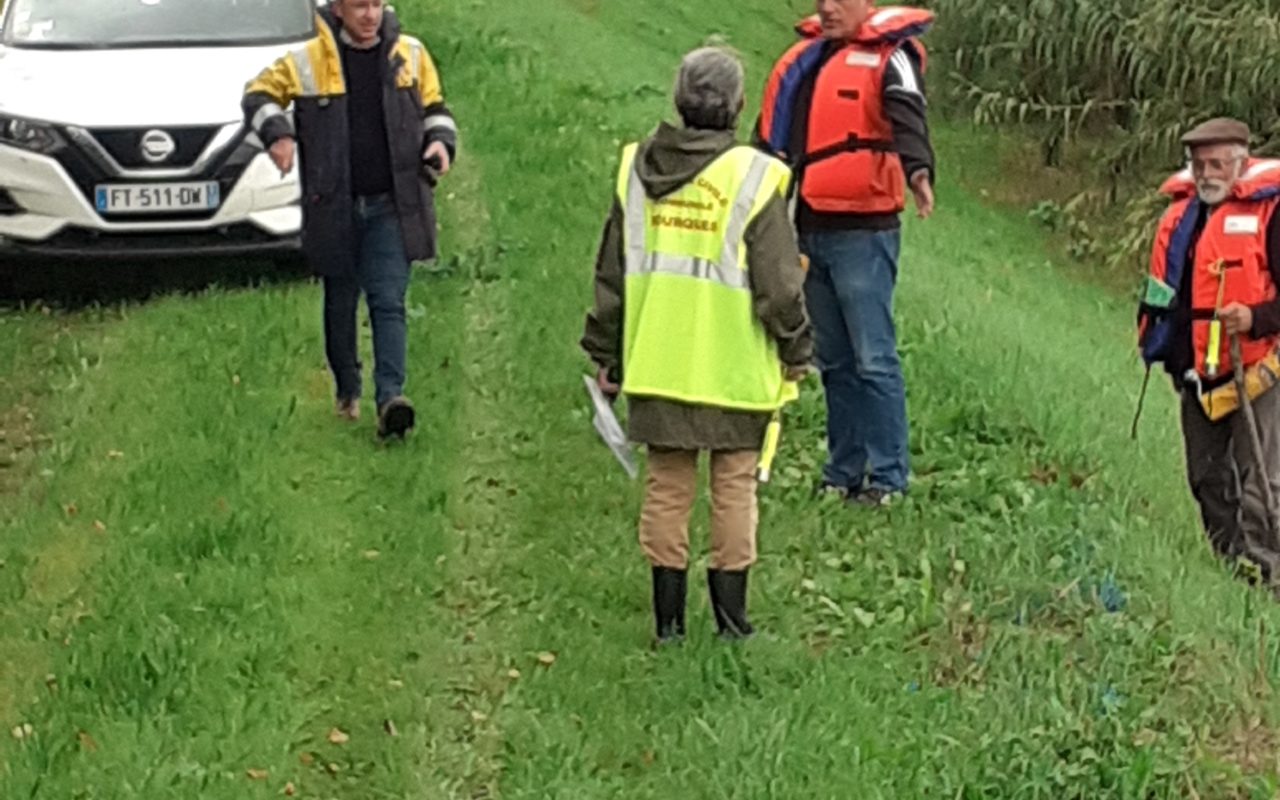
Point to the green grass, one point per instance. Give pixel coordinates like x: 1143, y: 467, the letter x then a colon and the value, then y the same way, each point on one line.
x: 1040, y: 620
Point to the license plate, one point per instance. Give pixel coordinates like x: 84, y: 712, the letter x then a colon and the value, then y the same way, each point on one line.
x: 157, y: 198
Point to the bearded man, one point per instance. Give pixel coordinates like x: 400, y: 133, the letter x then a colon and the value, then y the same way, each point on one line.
x: 1211, y: 299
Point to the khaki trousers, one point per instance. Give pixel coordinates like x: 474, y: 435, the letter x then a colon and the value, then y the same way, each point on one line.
x: 670, y: 493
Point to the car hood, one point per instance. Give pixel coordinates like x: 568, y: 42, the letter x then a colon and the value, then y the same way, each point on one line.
x: 130, y: 87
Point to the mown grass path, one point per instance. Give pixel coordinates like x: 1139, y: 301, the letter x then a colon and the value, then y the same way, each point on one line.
x: 203, y: 574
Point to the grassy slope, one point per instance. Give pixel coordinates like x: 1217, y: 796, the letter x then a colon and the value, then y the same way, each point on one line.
x: 233, y: 609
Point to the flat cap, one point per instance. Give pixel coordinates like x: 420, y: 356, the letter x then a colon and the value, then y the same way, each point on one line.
x: 1222, y: 130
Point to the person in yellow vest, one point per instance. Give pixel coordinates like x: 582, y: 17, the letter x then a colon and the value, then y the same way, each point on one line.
x: 699, y: 321
x: 1215, y: 266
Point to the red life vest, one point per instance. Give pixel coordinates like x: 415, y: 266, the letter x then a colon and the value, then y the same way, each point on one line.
x: 849, y: 164
x: 1231, y: 256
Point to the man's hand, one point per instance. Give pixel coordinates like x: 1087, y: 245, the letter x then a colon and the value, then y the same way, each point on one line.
x: 437, y: 150
x: 796, y: 374
x: 922, y: 190
x: 281, y: 153
x: 1237, y: 319
x: 610, y: 389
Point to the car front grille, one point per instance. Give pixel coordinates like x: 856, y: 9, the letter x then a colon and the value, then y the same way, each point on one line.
x: 125, y: 145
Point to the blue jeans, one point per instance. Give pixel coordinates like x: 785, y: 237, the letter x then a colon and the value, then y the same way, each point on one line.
x: 849, y: 291
x: 382, y: 273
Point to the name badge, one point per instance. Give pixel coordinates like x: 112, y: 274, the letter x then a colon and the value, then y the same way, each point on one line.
x: 862, y: 58
x: 1241, y: 224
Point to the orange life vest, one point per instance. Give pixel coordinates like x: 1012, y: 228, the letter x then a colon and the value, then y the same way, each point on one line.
x: 849, y: 164
x: 1229, y: 264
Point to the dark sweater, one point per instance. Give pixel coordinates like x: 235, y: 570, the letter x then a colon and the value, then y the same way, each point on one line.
x: 370, y: 151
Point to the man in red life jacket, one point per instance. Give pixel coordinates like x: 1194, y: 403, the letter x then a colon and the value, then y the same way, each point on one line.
x: 846, y: 108
x: 1215, y: 267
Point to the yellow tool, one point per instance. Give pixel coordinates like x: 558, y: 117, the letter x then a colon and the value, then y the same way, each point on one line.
x: 1213, y: 358
x: 772, y: 436
x: 773, y: 433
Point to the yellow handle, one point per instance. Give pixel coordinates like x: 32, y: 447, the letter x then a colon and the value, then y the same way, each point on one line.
x: 789, y: 392
x: 772, y: 437
x: 1213, y: 358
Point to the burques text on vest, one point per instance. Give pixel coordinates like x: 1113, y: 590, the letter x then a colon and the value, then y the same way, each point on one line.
x: 684, y: 223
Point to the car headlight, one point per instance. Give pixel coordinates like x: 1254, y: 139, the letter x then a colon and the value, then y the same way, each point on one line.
x: 29, y: 135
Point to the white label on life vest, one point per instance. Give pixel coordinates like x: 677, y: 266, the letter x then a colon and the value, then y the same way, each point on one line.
x: 862, y: 58
x: 1240, y: 224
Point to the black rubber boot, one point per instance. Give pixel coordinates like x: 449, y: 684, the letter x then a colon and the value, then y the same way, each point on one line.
x: 669, y: 589
x: 729, y: 602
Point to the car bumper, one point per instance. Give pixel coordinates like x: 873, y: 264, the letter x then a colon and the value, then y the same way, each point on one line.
x: 80, y: 244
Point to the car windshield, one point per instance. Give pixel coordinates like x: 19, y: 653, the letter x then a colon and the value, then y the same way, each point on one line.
x: 143, y: 23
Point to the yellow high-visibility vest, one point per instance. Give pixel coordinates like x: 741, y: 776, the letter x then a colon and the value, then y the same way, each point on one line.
x: 691, y: 333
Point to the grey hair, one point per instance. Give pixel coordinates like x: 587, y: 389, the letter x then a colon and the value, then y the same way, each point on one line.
x: 709, y: 88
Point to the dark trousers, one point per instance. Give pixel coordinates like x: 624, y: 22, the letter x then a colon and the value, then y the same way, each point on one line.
x: 382, y: 274
x: 1224, y: 478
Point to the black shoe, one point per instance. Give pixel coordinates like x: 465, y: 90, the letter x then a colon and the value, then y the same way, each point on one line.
x: 669, y: 589
x: 876, y: 497
x: 729, y: 602
x: 395, y: 418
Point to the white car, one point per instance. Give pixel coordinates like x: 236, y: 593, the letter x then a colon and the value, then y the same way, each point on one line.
x: 121, y: 132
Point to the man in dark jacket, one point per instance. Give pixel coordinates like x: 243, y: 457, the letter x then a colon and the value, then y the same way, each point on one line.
x: 699, y: 316
x: 373, y: 134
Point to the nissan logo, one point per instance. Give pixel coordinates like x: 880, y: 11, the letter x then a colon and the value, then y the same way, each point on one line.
x: 157, y: 146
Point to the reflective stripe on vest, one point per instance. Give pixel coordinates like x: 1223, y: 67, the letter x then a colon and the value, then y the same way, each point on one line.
x: 307, y: 84
x: 318, y: 64
x: 415, y: 59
